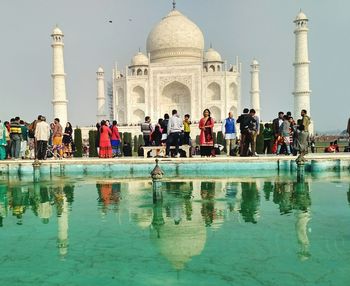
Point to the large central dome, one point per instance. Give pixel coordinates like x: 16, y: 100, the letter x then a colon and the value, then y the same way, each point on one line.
x: 175, y: 39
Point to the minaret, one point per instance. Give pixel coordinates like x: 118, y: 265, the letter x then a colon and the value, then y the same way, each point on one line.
x: 59, y: 78
x: 101, y: 97
x: 301, y: 68
x: 254, y: 88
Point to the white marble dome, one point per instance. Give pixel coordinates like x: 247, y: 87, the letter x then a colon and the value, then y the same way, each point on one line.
x: 212, y: 56
x: 300, y: 16
x: 175, y: 38
x: 139, y: 59
x: 57, y: 31
x: 100, y: 70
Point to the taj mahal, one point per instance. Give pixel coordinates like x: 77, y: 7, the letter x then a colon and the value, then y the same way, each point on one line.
x: 177, y: 72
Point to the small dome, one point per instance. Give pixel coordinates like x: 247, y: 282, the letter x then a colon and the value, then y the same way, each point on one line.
x: 212, y: 56
x: 255, y: 62
x: 139, y: 60
x: 100, y: 69
x: 57, y: 31
x: 175, y: 38
x: 301, y: 16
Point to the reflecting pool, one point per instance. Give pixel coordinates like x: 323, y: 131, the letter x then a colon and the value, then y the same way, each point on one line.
x: 248, y: 230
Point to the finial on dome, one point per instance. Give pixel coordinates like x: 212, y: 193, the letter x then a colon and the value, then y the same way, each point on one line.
x: 211, y: 45
x: 139, y: 50
x: 174, y: 4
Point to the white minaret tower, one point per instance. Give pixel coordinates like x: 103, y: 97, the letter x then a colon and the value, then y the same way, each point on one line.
x: 301, y: 68
x: 59, y: 78
x: 254, y: 88
x: 101, y: 97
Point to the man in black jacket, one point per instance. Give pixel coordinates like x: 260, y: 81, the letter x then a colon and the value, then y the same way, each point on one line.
x: 245, y: 121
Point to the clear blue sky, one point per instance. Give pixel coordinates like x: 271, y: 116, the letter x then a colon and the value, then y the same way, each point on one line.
x: 245, y: 28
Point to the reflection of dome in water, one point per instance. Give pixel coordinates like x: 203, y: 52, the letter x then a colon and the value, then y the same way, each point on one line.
x: 175, y: 38
x: 142, y: 217
x: 179, y: 243
x: 137, y: 194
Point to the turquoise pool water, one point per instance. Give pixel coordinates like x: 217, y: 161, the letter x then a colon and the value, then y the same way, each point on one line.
x: 247, y: 230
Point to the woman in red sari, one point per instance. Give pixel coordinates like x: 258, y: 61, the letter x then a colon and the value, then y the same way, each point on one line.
x: 105, y: 141
x: 206, y: 141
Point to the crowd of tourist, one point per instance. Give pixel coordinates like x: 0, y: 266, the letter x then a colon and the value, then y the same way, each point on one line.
x: 35, y: 140
x: 40, y: 140
x: 283, y: 136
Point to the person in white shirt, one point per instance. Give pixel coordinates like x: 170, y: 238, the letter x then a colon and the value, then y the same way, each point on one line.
x: 174, y: 133
x: 42, y: 134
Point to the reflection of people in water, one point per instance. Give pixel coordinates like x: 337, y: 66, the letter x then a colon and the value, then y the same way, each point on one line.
x: 348, y: 195
x: 109, y: 194
x: 301, y: 203
x: 69, y: 192
x: 3, y: 203
x: 45, y: 208
x: 181, y: 195
x: 268, y: 189
x: 250, y: 201
x: 234, y: 196
x: 208, y: 195
x: 19, y: 202
x: 282, y: 196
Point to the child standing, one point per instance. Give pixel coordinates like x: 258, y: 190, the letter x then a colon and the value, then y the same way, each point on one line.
x: 187, y: 129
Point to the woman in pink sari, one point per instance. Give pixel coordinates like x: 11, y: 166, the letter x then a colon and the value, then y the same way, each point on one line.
x: 206, y: 141
x: 105, y: 141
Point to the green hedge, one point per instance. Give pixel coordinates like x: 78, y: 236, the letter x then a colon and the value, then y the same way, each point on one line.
x: 92, y: 143
x: 260, y: 141
x: 78, y: 141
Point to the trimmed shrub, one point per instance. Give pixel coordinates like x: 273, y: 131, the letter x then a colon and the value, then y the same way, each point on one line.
x: 92, y: 143
x: 260, y: 141
x: 136, y: 144
x: 78, y: 141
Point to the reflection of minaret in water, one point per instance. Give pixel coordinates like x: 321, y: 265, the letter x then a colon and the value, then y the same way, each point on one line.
x: 303, y: 218
x: 302, y: 214
x: 62, y: 222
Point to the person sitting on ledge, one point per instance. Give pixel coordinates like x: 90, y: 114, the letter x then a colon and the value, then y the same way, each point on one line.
x: 331, y: 148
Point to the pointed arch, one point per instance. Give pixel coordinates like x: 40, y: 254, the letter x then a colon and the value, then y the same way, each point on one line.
x: 214, y: 91
x: 233, y: 91
x: 176, y: 95
x: 138, y: 95
x: 215, y: 113
x: 138, y: 116
x: 121, y: 97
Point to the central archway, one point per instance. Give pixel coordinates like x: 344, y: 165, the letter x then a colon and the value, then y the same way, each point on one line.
x: 175, y: 96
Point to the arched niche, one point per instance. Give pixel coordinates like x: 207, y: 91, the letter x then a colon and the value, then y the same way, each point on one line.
x: 138, y: 95
x: 233, y: 91
x: 121, y: 97
x: 215, y: 113
x: 121, y: 117
x: 138, y: 116
x: 214, y: 91
x: 177, y: 96
x: 233, y: 109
